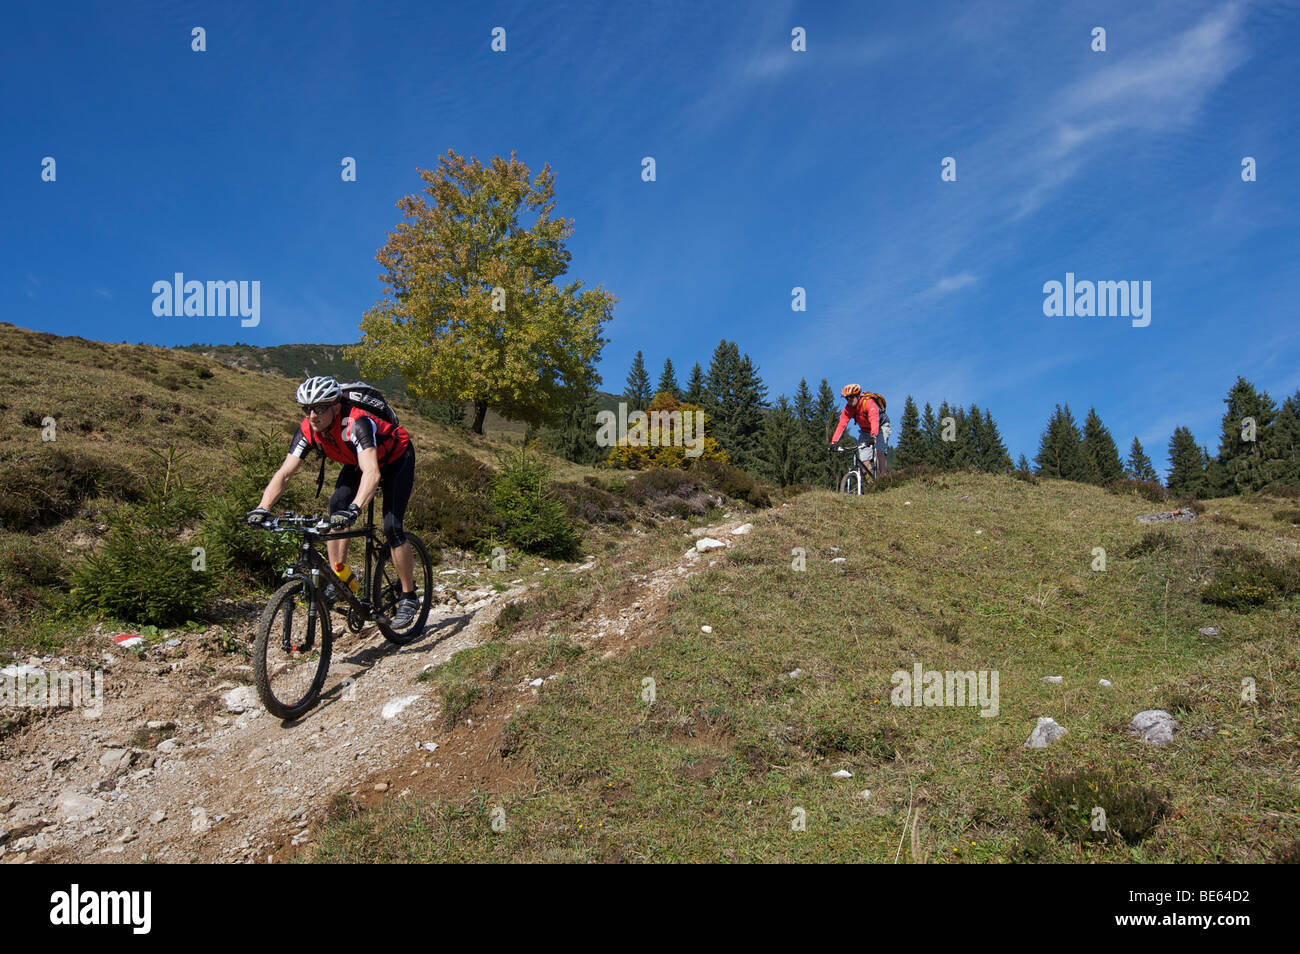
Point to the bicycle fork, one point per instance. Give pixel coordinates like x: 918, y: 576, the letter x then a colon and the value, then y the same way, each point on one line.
x: 287, y: 629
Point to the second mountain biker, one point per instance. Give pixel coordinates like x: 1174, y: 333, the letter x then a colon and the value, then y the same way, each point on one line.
x: 867, y: 410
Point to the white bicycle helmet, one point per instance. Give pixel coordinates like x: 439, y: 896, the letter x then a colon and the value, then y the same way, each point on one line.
x: 320, y: 390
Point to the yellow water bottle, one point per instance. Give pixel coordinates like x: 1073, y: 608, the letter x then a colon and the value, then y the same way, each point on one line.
x: 344, y: 573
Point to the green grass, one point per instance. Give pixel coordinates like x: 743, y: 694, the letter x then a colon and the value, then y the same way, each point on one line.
x: 732, y: 752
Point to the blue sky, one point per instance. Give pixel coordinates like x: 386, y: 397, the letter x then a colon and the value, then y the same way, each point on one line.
x: 775, y: 169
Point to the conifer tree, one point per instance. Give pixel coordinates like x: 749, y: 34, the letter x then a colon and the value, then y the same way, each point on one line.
x: 930, y: 436
x: 947, y: 433
x: 970, y: 424
x: 575, y: 437
x: 825, y: 417
x: 1139, y: 464
x: 911, y: 442
x: 810, y: 465
x: 696, y: 388
x: 751, y: 401
x: 781, y: 445
x: 994, y: 458
x: 1099, y: 451
x: 1023, y: 465
x: 1286, y: 440
x: 668, y: 381
x: 1247, y: 446
x: 1059, y: 451
x: 637, y: 391
x: 1187, y: 464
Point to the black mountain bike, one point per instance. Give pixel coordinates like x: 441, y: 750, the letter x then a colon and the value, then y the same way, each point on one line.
x: 291, y: 656
x: 860, y: 472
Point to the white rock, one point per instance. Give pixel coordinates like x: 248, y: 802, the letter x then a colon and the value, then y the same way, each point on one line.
x: 842, y: 773
x: 1054, y: 680
x: 240, y: 699
x: 907, y: 503
x: 1104, y: 683
x: 430, y: 746
x: 864, y: 794
x: 978, y: 532
x: 838, y: 560
x: 795, y: 673
x: 1155, y: 726
x: 75, y: 807
x: 115, y: 760
x: 706, y: 629
x: 167, y: 746
x: 705, y: 544
x: 742, y: 529
x: 198, y: 820
x: 537, y: 682
x: 158, y: 817
x: 1045, y: 733
x: 394, y: 707
x: 1208, y: 631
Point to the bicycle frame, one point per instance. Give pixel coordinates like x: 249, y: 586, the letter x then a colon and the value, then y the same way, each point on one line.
x: 858, y: 471
x: 317, y: 566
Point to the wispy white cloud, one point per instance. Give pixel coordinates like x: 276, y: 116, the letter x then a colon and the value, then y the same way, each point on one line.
x: 103, y: 293
x: 951, y: 283
x: 1041, y: 150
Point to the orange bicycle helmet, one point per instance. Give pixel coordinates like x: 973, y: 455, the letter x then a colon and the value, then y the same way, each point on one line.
x: 850, y: 390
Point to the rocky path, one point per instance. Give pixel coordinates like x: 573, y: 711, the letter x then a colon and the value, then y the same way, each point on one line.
x: 184, y: 765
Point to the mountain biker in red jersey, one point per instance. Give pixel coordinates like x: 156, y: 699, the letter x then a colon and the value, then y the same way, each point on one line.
x: 864, y: 412
x: 373, y: 453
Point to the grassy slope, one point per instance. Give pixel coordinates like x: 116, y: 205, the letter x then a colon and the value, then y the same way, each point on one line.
x: 714, y: 768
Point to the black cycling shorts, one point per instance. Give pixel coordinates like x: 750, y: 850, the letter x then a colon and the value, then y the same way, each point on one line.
x: 395, y: 479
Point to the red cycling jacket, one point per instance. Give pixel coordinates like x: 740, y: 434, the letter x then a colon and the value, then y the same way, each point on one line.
x: 867, y: 417
x: 353, y: 431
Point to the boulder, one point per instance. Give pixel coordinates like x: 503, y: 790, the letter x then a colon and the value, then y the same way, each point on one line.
x: 1045, y: 733
x: 1154, y: 726
x: 1185, y: 515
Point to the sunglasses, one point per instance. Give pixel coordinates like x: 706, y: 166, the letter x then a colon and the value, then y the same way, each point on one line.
x: 317, y: 408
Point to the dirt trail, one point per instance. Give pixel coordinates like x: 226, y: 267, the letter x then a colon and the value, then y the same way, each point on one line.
x: 183, y: 765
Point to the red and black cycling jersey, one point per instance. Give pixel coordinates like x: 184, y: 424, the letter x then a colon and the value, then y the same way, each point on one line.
x: 353, y: 430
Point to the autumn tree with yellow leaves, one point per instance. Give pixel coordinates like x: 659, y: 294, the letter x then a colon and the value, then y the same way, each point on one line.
x: 472, y: 309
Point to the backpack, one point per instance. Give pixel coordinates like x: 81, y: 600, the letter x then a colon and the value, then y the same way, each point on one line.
x: 371, y: 400
x: 880, y: 403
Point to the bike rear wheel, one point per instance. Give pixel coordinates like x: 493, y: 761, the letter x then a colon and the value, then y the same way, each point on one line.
x: 292, y: 653
x: 387, y: 590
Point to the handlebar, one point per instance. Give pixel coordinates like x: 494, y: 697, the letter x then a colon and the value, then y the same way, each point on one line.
x: 292, y: 524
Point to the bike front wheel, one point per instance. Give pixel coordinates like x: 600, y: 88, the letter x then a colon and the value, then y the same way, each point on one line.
x: 387, y: 590
x: 851, y: 483
x: 292, y: 653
